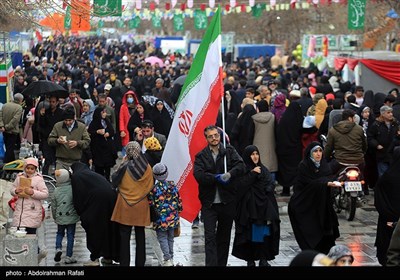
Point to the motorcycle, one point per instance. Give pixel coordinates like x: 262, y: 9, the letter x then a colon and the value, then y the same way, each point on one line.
x: 348, y: 196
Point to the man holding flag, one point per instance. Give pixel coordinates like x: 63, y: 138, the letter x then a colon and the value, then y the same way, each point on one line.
x: 215, y: 168
x: 197, y: 107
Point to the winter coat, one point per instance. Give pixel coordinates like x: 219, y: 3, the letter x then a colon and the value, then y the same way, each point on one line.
x: 62, y: 206
x: 28, y: 211
x: 264, y: 139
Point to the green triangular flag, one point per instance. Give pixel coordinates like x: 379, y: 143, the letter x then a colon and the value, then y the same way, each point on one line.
x: 178, y: 22
x: 67, y: 18
x: 107, y: 8
x: 100, y: 24
x: 200, y: 19
x: 156, y: 20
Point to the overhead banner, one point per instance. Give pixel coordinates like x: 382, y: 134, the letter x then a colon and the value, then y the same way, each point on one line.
x: 356, y: 14
x: 106, y: 8
x: 80, y: 15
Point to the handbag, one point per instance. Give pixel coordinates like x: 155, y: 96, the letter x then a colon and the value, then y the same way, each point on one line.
x: 177, y: 231
x: 154, y: 216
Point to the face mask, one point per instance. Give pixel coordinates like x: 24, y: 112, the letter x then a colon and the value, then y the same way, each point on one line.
x: 69, y: 82
x: 130, y: 100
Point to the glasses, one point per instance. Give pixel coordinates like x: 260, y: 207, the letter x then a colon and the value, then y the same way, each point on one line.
x: 213, y: 136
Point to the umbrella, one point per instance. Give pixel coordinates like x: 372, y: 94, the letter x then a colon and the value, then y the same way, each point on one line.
x: 44, y: 87
x: 153, y: 60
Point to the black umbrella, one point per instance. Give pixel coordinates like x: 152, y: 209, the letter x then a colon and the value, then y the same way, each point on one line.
x: 44, y: 87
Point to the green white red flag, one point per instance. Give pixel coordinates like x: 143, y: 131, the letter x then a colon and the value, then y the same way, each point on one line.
x: 197, y: 107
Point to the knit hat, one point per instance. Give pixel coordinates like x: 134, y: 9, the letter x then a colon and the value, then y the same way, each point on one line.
x: 160, y: 172
x: 69, y: 113
x: 152, y: 144
x: 133, y: 150
x: 108, y: 87
x: 340, y: 251
x: 31, y: 161
x: 62, y: 176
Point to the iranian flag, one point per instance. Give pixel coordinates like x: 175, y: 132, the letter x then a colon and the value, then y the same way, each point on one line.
x: 6, y: 72
x: 197, y: 107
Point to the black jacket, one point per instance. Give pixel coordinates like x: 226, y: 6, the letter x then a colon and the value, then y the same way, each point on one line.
x: 205, y: 170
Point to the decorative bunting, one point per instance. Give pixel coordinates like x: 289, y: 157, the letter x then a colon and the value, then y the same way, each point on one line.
x: 190, y: 4
x: 203, y: 7
x: 293, y: 4
x: 138, y: 4
x: 168, y: 6
x: 183, y: 7
x: 134, y: 23
x: 232, y: 3
x: 257, y: 10
x: 251, y: 3
x: 152, y: 6
x: 211, y: 3
x: 100, y: 24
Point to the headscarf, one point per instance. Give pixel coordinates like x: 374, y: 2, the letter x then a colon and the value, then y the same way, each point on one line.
x: 135, y: 163
x: 316, y: 163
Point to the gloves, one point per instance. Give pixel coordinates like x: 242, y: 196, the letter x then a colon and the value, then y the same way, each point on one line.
x: 223, y: 178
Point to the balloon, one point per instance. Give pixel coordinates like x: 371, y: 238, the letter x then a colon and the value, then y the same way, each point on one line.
x: 299, y: 47
x: 298, y: 57
x: 294, y: 53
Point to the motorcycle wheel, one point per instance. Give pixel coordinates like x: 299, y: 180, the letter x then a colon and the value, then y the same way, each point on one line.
x: 350, y: 210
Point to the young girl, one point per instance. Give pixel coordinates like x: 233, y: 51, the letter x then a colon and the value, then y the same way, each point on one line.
x: 167, y: 202
x: 30, y: 188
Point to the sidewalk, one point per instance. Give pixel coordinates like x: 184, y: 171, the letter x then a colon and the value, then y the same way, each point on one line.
x: 359, y: 235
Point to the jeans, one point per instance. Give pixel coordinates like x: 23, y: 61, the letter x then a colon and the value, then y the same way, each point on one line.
x: 166, y: 240
x: 70, y: 237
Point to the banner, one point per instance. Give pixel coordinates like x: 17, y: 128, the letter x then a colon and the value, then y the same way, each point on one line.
x: 134, y: 23
x: 178, y: 22
x: 80, y: 15
x: 356, y: 14
x: 67, y: 18
x: 156, y: 21
x: 200, y: 19
x: 107, y: 8
x: 197, y: 107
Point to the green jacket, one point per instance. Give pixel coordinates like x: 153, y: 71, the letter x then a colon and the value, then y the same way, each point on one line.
x: 10, y: 117
x: 62, y: 206
x: 78, y: 133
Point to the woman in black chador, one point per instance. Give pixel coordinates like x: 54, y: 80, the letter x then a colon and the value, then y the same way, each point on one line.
x: 257, y: 221
x: 314, y: 222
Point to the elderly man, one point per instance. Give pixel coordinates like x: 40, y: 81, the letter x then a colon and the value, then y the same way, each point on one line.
x: 10, y: 119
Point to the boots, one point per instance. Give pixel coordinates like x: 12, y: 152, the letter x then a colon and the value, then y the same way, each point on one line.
x: 264, y: 262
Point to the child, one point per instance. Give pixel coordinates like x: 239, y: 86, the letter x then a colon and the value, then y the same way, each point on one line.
x: 30, y: 188
x: 167, y: 202
x: 341, y: 255
x: 64, y: 215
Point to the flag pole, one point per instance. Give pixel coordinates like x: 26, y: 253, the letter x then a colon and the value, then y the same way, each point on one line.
x: 223, y: 131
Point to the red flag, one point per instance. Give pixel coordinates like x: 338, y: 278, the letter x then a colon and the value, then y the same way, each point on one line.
x: 39, y: 36
x: 167, y: 6
x: 203, y: 7
x: 65, y: 4
x: 183, y: 7
x: 325, y: 44
x: 293, y: 4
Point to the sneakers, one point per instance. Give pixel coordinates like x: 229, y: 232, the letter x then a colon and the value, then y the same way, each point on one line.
x: 42, y: 254
x: 168, y: 263
x: 69, y: 260
x: 92, y: 263
x: 57, y: 257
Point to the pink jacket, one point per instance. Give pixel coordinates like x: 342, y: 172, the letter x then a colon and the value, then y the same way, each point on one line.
x: 28, y: 211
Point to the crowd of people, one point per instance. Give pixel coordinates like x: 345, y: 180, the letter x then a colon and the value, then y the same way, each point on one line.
x: 274, y: 115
